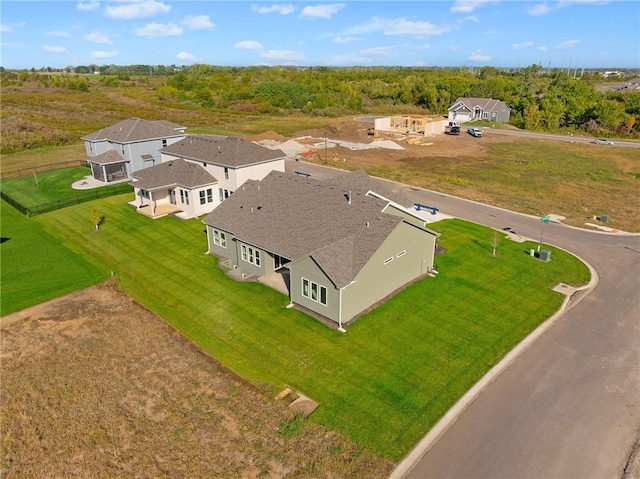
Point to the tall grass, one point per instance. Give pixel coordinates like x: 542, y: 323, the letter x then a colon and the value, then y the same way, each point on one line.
x: 396, y: 370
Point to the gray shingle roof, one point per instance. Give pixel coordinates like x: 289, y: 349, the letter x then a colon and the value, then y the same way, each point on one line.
x: 293, y: 217
x: 222, y: 150
x: 136, y: 129
x: 107, y: 158
x: 172, y: 173
x: 361, y: 181
x: 487, y: 104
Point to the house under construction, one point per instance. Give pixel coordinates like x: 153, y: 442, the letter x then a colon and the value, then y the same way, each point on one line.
x: 421, y: 125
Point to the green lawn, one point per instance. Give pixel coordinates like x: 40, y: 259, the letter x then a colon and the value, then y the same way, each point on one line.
x: 392, y: 375
x: 52, y: 190
x: 36, y: 266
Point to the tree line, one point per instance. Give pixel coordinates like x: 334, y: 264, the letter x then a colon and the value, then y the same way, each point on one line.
x: 540, y: 100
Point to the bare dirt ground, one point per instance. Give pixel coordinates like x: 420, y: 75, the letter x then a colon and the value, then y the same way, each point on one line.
x: 94, y: 385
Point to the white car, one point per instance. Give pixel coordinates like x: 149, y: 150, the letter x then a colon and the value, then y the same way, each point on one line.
x: 477, y: 132
x: 603, y: 141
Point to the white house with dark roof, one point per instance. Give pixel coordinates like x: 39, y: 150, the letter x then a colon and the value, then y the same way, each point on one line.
x: 487, y: 109
x: 199, y: 172
x: 343, y: 246
x: 116, y: 151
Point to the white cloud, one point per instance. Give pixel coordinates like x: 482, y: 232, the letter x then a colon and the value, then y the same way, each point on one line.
x: 542, y: 48
x: 200, y: 22
x: 471, y: 18
x: 159, y: 30
x: 248, y: 45
x: 345, y: 40
x: 284, y: 9
x: 102, y: 54
x: 566, y: 45
x: 87, y: 7
x: 136, y: 10
x: 97, y: 37
x: 379, y: 51
x: 287, y: 55
x: 9, y: 27
x: 468, y: 6
x: 478, y: 57
x: 59, y: 34
x: 376, y: 24
x: 405, y: 27
x: 521, y: 46
x: 53, y: 49
x: 568, y: 3
x: 321, y: 11
x: 539, y: 9
x: 187, y: 57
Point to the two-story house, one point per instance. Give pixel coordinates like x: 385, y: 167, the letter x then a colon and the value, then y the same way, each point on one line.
x: 115, y: 152
x: 199, y: 172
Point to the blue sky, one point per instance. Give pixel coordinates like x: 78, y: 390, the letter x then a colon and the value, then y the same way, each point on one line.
x: 500, y: 33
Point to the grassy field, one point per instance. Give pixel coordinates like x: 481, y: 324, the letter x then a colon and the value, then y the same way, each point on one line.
x: 44, y: 187
x: 37, y: 266
x: 392, y: 375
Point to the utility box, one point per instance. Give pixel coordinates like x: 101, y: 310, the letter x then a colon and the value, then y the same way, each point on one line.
x: 604, y: 218
x: 544, y: 255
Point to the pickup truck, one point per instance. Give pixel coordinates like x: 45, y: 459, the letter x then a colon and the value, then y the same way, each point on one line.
x: 477, y: 132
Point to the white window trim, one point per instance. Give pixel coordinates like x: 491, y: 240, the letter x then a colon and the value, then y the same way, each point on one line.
x: 401, y: 253
x: 319, y: 289
x: 250, y: 255
x: 220, y: 238
x: 388, y: 260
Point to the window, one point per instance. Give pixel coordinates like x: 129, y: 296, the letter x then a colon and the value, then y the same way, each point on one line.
x: 250, y: 255
x: 323, y: 295
x: 388, y: 260
x: 220, y: 238
x: 203, y: 199
x: 144, y: 194
x: 226, y: 173
x: 209, y: 195
x: 122, y: 148
x: 184, y: 196
x: 224, y: 194
x: 164, y: 143
x: 401, y: 253
x: 314, y: 291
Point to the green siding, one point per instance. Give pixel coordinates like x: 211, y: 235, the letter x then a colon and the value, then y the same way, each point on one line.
x: 377, y: 279
x: 307, y: 268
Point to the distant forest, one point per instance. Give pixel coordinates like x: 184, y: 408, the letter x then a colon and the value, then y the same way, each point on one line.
x: 540, y: 100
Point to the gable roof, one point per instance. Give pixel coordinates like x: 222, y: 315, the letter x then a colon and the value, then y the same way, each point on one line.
x: 294, y: 217
x: 109, y: 157
x: 360, y: 180
x: 136, y: 129
x: 487, y: 104
x: 172, y: 173
x: 222, y: 150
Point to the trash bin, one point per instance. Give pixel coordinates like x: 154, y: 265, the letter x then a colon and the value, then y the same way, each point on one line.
x: 532, y: 252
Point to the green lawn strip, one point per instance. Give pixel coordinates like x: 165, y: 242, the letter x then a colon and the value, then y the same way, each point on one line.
x: 36, y: 266
x: 55, y: 187
x: 396, y: 370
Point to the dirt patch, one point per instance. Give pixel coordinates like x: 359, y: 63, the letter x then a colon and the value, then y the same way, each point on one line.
x: 94, y: 385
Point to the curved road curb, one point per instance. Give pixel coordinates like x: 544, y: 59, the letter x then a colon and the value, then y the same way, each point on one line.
x: 426, y: 443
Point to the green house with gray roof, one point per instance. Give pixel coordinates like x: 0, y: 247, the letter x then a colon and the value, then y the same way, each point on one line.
x: 341, y: 246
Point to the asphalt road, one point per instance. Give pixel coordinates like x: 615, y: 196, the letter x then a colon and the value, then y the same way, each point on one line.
x: 569, y: 405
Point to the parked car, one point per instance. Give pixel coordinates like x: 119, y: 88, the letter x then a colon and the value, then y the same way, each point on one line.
x: 603, y: 141
x: 477, y: 132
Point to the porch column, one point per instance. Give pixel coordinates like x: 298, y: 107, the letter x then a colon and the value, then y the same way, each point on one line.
x: 153, y: 203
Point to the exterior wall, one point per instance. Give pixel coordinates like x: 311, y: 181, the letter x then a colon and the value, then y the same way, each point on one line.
x: 228, y: 252
x: 208, y: 206
x: 377, y: 279
x: 308, y: 269
x: 255, y: 172
x: 95, y: 148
